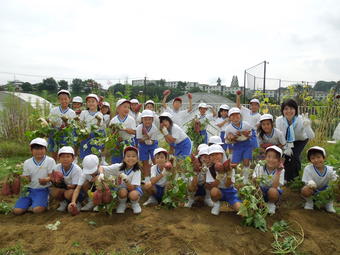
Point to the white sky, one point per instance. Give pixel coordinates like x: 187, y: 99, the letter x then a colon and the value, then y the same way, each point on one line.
x: 186, y: 40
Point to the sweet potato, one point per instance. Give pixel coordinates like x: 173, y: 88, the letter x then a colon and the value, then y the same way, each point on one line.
x: 6, y: 189
x: 138, y: 107
x: 166, y: 92
x: 239, y: 92
x: 226, y: 165
x: 74, y: 210
x: 107, y: 197
x: 168, y: 165
x: 219, y: 167
x: 15, y: 185
x: 98, y: 197
x: 57, y: 177
x: 196, y: 163
x: 189, y: 95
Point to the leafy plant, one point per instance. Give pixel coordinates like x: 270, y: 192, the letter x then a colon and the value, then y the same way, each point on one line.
x: 5, y: 208
x: 13, y: 250
x: 327, y: 195
x: 193, y: 131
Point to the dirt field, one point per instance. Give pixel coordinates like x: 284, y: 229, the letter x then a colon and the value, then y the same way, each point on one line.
x: 162, y: 231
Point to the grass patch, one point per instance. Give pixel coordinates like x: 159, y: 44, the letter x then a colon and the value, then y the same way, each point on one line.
x: 8, y: 164
x: 13, y: 250
x: 10, y: 149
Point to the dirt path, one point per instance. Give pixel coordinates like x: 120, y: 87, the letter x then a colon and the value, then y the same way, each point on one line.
x: 162, y: 231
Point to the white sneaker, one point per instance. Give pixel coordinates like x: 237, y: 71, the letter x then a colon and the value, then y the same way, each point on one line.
x: 271, y: 208
x: 330, y: 208
x: 189, y: 203
x: 216, y: 208
x: 62, y: 206
x: 151, y: 200
x: 88, y: 206
x: 209, y: 202
x: 309, y: 205
x: 136, y: 207
x: 121, y: 207
x: 96, y: 209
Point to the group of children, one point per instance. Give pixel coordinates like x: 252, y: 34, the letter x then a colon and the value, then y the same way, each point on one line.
x: 241, y: 131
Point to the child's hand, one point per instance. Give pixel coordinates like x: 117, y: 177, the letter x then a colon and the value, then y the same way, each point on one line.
x: 44, y: 181
x: 231, y: 137
x: 238, y: 133
x: 246, y: 133
x: 124, y: 177
x: 311, y: 184
x: 70, y: 186
x: 129, y: 131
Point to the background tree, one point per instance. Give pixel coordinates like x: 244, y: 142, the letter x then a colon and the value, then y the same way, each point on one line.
x: 26, y: 87
x: 50, y: 85
x: 63, y: 84
x: 77, y: 86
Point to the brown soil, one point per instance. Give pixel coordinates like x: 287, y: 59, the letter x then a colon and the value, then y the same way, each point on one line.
x: 162, y: 231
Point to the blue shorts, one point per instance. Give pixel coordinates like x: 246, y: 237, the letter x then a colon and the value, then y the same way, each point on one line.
x: 204, y: 133
x: 225, y: 146
x: 146, y: 151
x: 138, y: 188
x: 230, y: 195
x: 36, y: 197
x: 159, y: 193
x: 242, y: 150
x: 119, y: 158
x: 265, y: 192
x: 253, y: 139
x: 200, y: 191
x: 183, y: 149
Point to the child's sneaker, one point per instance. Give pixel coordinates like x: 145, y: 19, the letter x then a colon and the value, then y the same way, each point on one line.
x: 88, y: 206
x: 189, y: 203
x: 62, y: 206
x: 208, y: 202
x: 330, y: 208
x: 136, y: 207
x: 309, y: 205
x: 271, y: 208
x: 216, y: 208
x: 121, y: 207
x: 96, y: 208
x: 151, y: 200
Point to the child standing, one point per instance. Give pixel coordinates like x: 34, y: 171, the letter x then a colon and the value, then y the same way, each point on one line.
x: 77, y: 104
x: 222, y: 122
x: 91, y: 116
x: 105, y: 110
x: 129, y: 126
x: 59, y: 116
x: 134, y: 110
x: 71, y: 174
x: 239, y: 132
x: 316, y: 177
x: 272, y: 177
x: 197, y: 184
x: 146, y: 134
x: 150, y: 105
x: 175, y: 136
x: 220, y: 180
x: 129, y: 179
x: 204, y: 118
x: 155, y: 188
x: 37, y: 170
x: 86, y: 182
x: 267, y: 135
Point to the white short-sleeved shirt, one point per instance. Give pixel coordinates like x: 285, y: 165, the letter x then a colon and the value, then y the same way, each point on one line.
x: 71, y: 177
x: 299, y: 130
x: 251, y: 118
x: 231, y: 128
x: 275, y: 138
x: 178, y: 134
x: 178, y: 117
x: 205, y: 117
x: 222, y: 184
x: 127, y: 122
x: 37, y: 170
x: 134, y: 177
x: 136, y: 116
x: 152, y: 132
x: 90, y: 118
x: 57, y: 112
x: 107, y: 119
x: 219, y: 121
x: 311, y: 173
x: 155, y: 171
x: 84, y: 177
x: 262, y: 171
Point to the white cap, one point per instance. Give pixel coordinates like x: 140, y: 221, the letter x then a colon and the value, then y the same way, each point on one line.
x: 233, y: 110
x: 166, y: 114
x: 90, y: 164
x: 317, y: 148
x: 147, y: 113
x: 64, y: 91
x: 158, y: 150
x: 77, y: 100
x: 215, y: 148
x: 202, y: 105
x: 224, y: 107
x: 149, y: 102
x: 66, y: 149
x: 106, y: 104
x: 202, y: 146
x: 134, y: 101
x: 204, y: 151
x: 266, y: 116
x: 275, y: 148
x: 215, y: 140
x: 255, y: 100
x: 39, y: 141
x: 92, y: 96
x: 121, y: 101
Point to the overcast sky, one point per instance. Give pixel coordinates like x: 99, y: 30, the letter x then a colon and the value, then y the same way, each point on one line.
x: 174, y: 40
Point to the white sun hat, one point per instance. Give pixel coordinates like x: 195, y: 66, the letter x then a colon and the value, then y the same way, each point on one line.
x: 90, y: 164
x: 134, y: 101
x: 66, y: 149
x: 215, y: 148
x: 317, y: 148
x: 158, y: 150
x: 233, y: 110
x: 121, y: 101
x: 39, y: 141
x: 77, y: 99
x: 266, y: 116
x: 215, y: 140
x: 92, y: 96
x: 255, y: 100
x: 106, y: 104
x: 149, y: 102
x: 202, y: 105
x: 275, y: 148
x: 166, y: 114
x: 147, y: 113
x: 204, y: 151
x: 224, y: 107
x: 202, y: 145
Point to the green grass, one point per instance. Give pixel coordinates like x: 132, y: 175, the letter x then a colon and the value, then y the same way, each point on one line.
x: 9, y: 149
x: 8, y: 164
x: 13, y: 250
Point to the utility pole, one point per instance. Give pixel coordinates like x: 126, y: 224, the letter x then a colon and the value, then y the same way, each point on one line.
x: 264, y: 76
x: 144, y: 89
x: 244, y: 86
